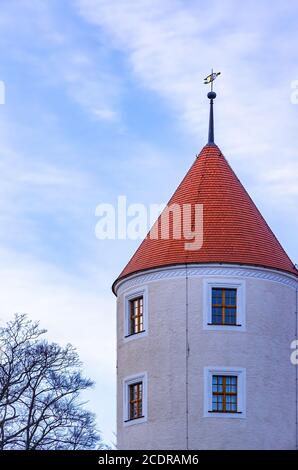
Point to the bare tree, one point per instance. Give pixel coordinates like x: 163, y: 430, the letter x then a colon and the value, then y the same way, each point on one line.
x: 40, y: 386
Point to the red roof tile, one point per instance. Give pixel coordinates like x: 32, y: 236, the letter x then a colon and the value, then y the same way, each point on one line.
x: 234, y: 229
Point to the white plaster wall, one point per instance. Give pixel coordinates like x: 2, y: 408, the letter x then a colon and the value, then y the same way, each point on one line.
x: 263, y: 349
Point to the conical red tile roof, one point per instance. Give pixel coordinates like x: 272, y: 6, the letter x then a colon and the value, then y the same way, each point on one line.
x: 234, y: 229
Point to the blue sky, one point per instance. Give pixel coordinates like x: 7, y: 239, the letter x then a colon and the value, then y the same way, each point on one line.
x: 105, y: 98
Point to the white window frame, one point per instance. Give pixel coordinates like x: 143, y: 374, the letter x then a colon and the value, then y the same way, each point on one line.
x: 143, y: 292
x: 230, y: 283
x: 240, y: 373
x: 141, y: 377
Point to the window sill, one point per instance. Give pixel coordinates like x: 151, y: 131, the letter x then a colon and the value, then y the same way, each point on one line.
x: 133, y: 419
x: 134, y: 334
x: 226, y: 412
x: 223, y: 324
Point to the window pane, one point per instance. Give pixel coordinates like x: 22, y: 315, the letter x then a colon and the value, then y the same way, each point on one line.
x: 135, y: 400
x: 136, y: 316
x: 224, y: 393
x: 216, y: 296
x: 224, y: 304
x: 231, y: 296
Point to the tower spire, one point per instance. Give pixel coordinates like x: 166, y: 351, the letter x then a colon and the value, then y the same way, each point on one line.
x: 211, y: 95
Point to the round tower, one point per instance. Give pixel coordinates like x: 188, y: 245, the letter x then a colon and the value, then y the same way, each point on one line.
x: 204, y: 334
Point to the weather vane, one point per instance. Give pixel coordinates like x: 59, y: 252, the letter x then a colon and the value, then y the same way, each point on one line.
x: 211, y: 95
x: 210, y: 78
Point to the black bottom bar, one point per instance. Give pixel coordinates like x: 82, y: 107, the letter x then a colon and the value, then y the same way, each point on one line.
x: 130, y: 459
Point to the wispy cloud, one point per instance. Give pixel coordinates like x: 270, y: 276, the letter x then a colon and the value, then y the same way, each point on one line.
x: 171, y: 45
x: 50, y: 43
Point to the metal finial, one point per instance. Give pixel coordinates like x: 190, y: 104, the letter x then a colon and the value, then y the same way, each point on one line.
x: 211, y: 95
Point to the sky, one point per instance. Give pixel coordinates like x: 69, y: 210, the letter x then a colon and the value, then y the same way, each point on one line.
x: 106, y: 98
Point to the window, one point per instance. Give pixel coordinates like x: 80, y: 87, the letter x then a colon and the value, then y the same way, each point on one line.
x: 135, y: 399
x: 224, y: 392
x: 224, y: 304
x: 136, y: 312
x: 136, y: 315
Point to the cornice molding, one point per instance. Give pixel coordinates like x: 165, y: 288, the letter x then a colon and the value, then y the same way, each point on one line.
x: 159, y: 274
